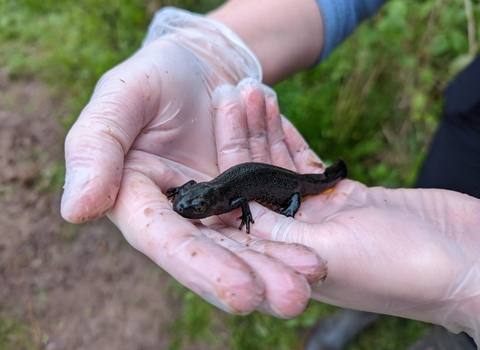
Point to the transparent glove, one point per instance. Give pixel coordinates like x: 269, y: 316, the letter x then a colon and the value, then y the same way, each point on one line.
x: 150, y: 126
x: 413, y: 253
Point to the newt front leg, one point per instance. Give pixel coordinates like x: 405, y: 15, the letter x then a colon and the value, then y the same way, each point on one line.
x: 172, y: 193
x: 246, y: 213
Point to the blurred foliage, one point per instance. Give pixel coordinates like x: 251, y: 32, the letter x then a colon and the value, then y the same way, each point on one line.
x: 273, y: 333
x: 375, y: 102
x: 196, y: 321
x: 377, y: 99
x: 14, y: 335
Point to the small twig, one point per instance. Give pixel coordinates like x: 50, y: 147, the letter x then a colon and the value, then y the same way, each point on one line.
x: 430, y: 23
x: 472, y: 44
x: 37, y: 333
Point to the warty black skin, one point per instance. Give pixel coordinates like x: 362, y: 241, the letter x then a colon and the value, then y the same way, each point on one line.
x: 242, y: 183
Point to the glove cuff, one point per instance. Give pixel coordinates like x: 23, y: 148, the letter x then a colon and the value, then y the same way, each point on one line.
x: 208, y: 39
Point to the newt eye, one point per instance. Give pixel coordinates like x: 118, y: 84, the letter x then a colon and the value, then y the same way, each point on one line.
x: 200, y: 207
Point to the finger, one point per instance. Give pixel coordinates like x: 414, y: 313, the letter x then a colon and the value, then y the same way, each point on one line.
x: 301, y: 259
x: 97, y: 142
x: 277, y: 148
x: 231, y: 130
x: 254, y: 103
x: 305, y: 160
x: 145, y: 217
x: 286, y: 292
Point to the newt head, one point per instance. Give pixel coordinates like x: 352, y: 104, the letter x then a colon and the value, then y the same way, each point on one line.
x: 195, y: 201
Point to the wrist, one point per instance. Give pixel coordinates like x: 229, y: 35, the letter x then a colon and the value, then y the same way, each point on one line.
x: 286, y: 36
x: 465, y: 317
x: 460, y: 310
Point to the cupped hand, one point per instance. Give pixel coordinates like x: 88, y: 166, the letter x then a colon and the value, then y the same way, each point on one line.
x: 412, y: 253
x: 149, y: 126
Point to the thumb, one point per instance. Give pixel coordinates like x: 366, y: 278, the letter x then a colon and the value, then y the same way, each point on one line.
x: 97, y: 143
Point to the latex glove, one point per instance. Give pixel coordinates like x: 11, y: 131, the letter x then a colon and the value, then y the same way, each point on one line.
x: 150, y: 126
x: 413, y: 253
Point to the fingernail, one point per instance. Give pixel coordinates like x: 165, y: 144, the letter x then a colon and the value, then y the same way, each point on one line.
x: 75, y: 181
x: 248, y: 82
x: 223, y: 92
x: 269, y: 92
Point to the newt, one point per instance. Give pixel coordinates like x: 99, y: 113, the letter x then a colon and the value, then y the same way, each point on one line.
x: 260, y: 182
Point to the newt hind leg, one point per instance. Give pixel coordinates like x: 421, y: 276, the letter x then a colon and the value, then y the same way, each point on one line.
x: 290, y: 207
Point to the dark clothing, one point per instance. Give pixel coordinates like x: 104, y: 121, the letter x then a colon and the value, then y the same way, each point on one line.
x: 453, y: 161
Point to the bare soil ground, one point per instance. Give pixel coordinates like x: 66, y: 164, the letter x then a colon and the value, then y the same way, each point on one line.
x: 74, y: 287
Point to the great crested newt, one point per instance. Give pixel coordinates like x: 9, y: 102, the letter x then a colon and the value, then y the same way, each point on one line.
x: 264, y: 183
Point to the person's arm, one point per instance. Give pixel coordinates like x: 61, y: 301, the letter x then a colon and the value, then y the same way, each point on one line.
x: 286, y: 36
x: 290, y: 36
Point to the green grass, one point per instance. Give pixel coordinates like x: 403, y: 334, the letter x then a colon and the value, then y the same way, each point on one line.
x: 375, y: 102
x: 377, y: 99
x: 15, y: 335
x: 197, y: 320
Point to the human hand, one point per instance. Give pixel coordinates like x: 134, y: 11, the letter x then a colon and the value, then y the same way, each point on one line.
x: 409, y: 253
x: 150, y: 126
x: 158, y: 102
x: 412, y: 253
